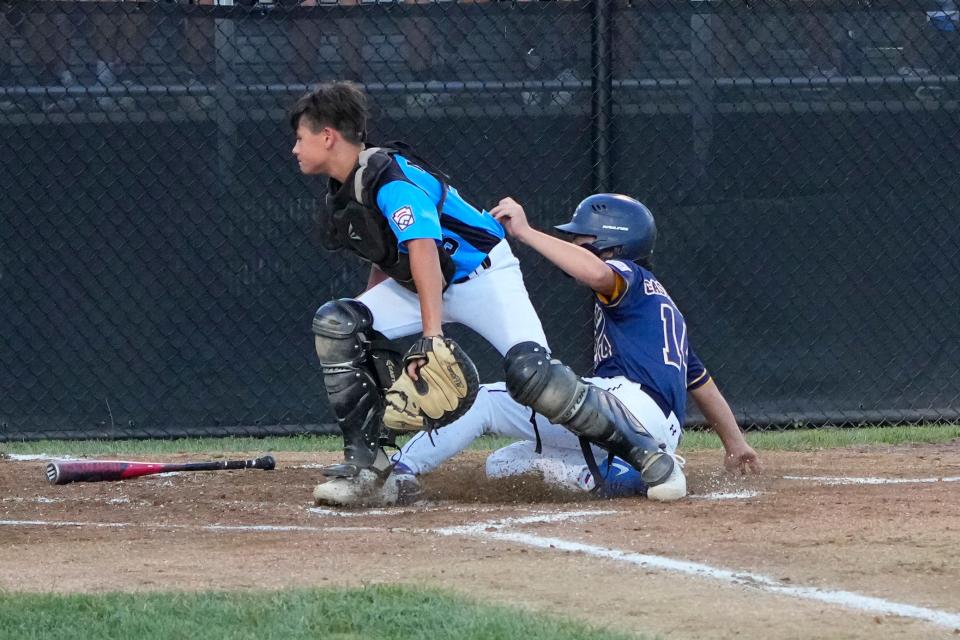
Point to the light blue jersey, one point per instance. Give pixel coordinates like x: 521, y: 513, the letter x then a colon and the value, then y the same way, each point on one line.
x: 641, y: 335
x: 408, y: 196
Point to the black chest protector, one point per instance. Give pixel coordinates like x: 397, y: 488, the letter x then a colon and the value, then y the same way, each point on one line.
x: 352, y: 220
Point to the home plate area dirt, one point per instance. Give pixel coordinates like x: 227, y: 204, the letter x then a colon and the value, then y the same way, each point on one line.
x: 843, y: 543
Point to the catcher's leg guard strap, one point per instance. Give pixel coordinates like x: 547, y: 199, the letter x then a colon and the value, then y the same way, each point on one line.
x: 381, y: 466
x: 552, y: 389
x: 342, y: 335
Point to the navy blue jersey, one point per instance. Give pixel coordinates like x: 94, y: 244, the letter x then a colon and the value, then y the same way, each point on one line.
x: 408, y: 197
x: 640, y: 334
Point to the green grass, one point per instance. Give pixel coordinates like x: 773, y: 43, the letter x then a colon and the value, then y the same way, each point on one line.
x: 789, y: 440
x: 829, y: 438
x: 201, y: 445
x: 180, y: 445
x: 381, y: 612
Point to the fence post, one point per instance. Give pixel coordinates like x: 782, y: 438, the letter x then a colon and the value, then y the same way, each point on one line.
x: 702, y: 90
x: 601, y: 88
x: 225, y: 48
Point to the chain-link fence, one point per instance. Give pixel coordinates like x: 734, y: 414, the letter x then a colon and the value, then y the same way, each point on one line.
x: 157, y: 273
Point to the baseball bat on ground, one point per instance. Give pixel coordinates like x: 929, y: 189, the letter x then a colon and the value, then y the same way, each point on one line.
x: 66, y: 471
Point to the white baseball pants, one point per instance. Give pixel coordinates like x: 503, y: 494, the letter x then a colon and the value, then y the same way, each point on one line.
x: 561, y: 460
x: 494, y: 302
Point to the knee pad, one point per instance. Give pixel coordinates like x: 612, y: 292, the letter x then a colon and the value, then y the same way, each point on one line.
x: 344, y: 335
x: 547, y: 386
x: 342, y: 331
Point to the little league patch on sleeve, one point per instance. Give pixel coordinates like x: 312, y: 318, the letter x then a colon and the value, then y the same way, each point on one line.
x: 403, y: 217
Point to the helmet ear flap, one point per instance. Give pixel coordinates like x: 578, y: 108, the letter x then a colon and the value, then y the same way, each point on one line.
x: 592, y: 248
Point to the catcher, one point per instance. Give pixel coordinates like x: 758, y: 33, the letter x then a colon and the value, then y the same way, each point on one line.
x: 434, y: 257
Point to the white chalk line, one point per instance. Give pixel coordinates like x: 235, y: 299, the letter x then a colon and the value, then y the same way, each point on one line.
x: 745, y: 494
x: 421, y: 507
x: 318, y: 511
x: 829, y: 480
x: 503, y: 523
x: 194, y: 527
x: 494, y: 524
x: 493, y: 531
x: 31, y: 457
x: 36, y: 499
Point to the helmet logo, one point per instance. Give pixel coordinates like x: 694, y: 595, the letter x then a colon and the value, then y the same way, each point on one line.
x: 614, y: 227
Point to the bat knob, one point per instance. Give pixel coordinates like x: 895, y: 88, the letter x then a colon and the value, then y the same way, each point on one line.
x: 267, y: 463
x: 53, y: 472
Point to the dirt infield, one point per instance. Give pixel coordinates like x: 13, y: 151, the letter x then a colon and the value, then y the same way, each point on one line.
x: 790, y: 554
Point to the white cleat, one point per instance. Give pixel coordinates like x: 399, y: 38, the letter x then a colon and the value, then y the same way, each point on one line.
x: 674, y: 488
x: 367, y: 489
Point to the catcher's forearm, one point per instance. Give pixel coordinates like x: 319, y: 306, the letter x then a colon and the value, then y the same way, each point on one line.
x: 425, y: 266
x: 715, y: 409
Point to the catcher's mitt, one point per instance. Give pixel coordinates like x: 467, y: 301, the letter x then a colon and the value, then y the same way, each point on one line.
x: 446, y: 387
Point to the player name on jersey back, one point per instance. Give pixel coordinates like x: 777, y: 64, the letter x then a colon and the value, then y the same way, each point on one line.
x: 652, y: 287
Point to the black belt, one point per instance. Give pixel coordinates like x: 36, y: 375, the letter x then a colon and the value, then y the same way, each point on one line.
x: 483, y: 266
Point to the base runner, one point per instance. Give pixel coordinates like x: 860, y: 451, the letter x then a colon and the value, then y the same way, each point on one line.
x: 643, y: 364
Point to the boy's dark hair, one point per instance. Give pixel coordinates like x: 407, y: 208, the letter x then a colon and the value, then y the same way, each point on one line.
x: 646, y: 263
x: 341, y: 105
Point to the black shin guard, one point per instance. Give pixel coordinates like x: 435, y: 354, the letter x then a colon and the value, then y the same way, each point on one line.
x: 356, y: 401
x: 343, y: 333
x: 552, y: 389
x: 604, y: 420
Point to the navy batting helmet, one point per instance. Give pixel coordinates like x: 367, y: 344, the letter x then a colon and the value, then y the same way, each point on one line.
x: 618, y: 222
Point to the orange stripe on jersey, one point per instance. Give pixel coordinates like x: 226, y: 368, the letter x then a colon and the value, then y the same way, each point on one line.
x: 700, y: 381
x: 619, y: 288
